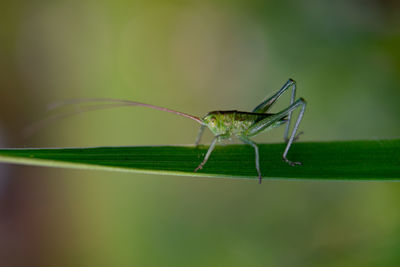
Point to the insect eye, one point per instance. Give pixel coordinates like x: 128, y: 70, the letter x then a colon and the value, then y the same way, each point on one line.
x: 213, y: 121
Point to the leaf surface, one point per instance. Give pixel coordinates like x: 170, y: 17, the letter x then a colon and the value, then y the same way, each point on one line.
x: 345, y: 160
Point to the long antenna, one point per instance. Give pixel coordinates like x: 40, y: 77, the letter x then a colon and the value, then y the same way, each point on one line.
x: 114, y: 103
x: 126, y: 102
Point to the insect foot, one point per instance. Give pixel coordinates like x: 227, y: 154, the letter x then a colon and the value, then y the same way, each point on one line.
x: 199, y: 167
x: 292, y: 163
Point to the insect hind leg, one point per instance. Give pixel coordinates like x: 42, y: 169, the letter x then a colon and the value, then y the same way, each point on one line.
x: 267, y: 104
x: 273, y: 119
x: 293, y: 135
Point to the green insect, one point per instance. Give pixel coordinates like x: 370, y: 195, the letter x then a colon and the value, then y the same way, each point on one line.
x: 223, y: 124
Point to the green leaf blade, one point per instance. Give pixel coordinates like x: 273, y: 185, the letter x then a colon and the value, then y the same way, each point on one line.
x: 347, y: 160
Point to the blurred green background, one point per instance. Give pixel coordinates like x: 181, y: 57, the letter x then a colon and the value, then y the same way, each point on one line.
x: 195, y: 56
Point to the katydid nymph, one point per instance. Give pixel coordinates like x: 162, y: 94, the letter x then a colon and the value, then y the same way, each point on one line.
x: 223, y: 124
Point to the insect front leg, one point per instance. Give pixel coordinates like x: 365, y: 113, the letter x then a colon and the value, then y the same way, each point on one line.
x: 246, y: 140
x: 273, y: 119
x: 210, y: 149
x: 201, y: 130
